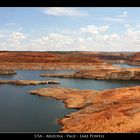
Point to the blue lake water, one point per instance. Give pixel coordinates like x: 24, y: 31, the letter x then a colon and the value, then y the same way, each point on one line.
x: 126, y: 66
x: 24, y: 112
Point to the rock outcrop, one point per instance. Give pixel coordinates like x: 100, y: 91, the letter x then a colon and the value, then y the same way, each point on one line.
x: 7, y: 72
x: 27, y: 82
x: 115, y: 110
x: 73, y: 98
x: 102, y: 74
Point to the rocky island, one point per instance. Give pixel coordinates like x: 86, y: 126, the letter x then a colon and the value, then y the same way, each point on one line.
x: 114, y: 110
x: 27, y: 82
x: 7, y: 72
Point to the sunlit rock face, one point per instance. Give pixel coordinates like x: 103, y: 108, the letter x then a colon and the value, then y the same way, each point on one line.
x: 115, y: 110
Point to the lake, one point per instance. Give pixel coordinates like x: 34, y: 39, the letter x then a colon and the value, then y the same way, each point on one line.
x: 126, y: 66
x: 24, y: 112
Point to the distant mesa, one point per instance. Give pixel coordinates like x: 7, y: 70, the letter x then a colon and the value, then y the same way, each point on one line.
x: 50, y: 61
x: 130, y: 58
x: 66, y: 60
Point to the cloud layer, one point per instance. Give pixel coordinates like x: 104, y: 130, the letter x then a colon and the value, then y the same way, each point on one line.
x: 88, y: 38
x: 61, y: 11
x: 118, y: 18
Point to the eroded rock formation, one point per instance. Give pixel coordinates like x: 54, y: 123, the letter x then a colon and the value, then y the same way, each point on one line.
x: 115, y: 110
x: 27, y: 82
x: 102, y: 74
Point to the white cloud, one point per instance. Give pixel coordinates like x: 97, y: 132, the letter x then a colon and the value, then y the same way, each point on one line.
x: 52, y: 41
x: 1, y: 35
x: 67, y: 42
x: 62, y: 11
x: 55, y: 36
x: 123, y: 15
x: 2, y: 45
x: 87, y: 38
x: 17, y: 36
x: 127, y: 26
x: 118, y: 18
x: 94, y: 29
x: 97, y: 40
x: 111, y: 37
x: 133, y: 35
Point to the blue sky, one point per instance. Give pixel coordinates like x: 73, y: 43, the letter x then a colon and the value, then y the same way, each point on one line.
x: 70, y: 29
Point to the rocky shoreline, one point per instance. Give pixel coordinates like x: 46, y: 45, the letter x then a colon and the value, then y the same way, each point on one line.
x: 27, y: 82
x: 102, y: 74
x: 7, y: 72
x: 114, y: 110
